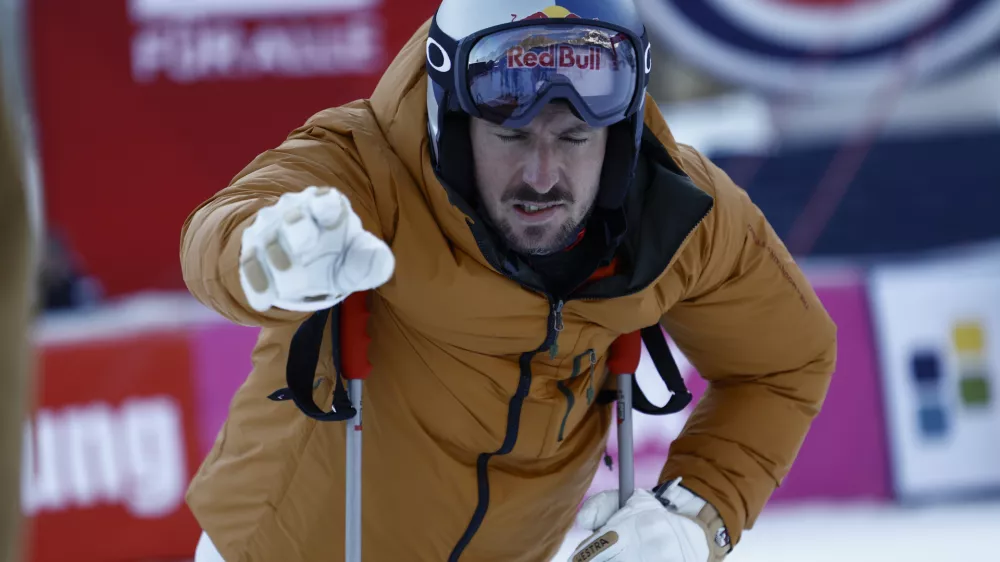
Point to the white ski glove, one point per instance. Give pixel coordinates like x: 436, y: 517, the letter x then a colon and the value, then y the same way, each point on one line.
x: 674, y: 525
x: 308, y: 252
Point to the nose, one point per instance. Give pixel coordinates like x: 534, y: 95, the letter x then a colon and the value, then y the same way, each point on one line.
x: 541, y: 171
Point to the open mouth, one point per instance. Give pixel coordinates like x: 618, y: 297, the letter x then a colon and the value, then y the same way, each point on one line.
x: 536, y: 210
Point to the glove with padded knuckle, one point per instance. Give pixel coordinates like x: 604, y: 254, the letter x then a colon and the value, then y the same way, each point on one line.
x: 308, y: 252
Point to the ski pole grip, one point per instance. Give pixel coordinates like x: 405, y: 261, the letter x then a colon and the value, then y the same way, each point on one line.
x: 354, y: 338
x: 625, y: 354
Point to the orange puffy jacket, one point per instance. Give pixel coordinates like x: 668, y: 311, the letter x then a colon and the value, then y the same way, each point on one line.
x: 455, y: 374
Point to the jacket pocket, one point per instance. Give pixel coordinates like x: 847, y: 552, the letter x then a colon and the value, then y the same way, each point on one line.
x: 571, y: 388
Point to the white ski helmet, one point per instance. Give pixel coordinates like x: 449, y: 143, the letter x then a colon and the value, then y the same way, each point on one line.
x: 504, y: 61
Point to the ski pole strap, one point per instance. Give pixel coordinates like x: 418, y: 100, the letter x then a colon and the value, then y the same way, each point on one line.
x: 303, y: 359
x: 663, y: 360
x: 659, y: 352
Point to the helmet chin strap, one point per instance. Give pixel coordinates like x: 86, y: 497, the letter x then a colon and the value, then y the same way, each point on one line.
x: 456, y: 164
x: 618, y: 169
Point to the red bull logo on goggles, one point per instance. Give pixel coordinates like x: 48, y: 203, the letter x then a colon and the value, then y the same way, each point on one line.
x: 555, y: 56
x: 510, y: 74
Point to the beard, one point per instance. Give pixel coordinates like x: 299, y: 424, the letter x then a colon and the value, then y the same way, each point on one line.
x: 542, y: 239
x: 530, y: 241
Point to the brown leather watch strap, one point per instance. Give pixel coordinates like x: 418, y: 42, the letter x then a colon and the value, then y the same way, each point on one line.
x: 719, y: 543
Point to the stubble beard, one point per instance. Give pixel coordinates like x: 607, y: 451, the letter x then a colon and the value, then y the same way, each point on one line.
x: 528, y: 241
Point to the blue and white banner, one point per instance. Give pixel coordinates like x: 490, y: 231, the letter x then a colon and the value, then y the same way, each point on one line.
x: 824, y: 47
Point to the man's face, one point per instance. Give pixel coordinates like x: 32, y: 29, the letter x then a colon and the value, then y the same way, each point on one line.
x: 538, y: 183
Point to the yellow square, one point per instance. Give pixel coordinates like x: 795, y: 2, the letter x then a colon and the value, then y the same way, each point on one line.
x: 969, y: 337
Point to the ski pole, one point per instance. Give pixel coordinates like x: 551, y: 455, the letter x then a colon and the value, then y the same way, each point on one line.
x: 354, y: 346
x: 623, y: 362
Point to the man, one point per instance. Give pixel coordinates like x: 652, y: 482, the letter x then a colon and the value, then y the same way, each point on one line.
x: 15, y: 310
x: 516, y: 203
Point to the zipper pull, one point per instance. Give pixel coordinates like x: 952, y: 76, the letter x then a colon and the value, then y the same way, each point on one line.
x: 557, y: 325
x: 590, y: 389
x: 559, y: 318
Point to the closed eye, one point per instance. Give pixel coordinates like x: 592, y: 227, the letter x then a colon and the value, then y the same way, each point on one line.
x: 510, y: 137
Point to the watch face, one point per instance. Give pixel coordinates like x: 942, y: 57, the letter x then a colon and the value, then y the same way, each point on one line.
x: 722, y: 537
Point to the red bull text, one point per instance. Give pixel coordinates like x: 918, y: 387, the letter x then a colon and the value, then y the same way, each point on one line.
x: 556, y: 56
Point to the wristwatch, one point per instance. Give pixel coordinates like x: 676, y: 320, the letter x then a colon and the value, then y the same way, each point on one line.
x: 682, y: 501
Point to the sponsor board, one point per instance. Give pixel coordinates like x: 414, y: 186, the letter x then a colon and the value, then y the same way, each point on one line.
x: 144, y: 10
x: 164, y: 102
x: 187, y: 42
x: 109, y: 451
x: 824, y: 47
x: 938, y: 326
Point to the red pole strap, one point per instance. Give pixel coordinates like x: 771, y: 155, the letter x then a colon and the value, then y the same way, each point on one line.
x: 354, y: 338
x: 625, y: 352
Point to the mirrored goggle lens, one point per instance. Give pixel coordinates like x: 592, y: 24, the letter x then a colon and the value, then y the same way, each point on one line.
x: 508, y: 72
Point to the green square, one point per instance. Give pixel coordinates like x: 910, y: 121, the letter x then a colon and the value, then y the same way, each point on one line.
x: 975, y: 390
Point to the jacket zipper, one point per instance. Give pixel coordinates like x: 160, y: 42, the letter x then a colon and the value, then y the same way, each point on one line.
x: 557, y: 328
x: 553, y: 328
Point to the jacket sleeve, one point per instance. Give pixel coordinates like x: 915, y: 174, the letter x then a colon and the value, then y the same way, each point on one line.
x: 321, y: 153
x: 756, y: 331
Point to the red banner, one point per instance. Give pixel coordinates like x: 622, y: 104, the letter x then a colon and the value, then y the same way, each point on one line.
x: 110, y: 451
x: 146, y: 108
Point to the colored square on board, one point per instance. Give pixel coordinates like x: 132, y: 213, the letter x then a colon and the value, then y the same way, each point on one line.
x: 975, y: 390
x: 926, y: 367
x: 933, y: 422
x: 969, y: 337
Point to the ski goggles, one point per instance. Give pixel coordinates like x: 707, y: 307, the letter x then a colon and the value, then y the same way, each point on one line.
x: 508, y: 75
